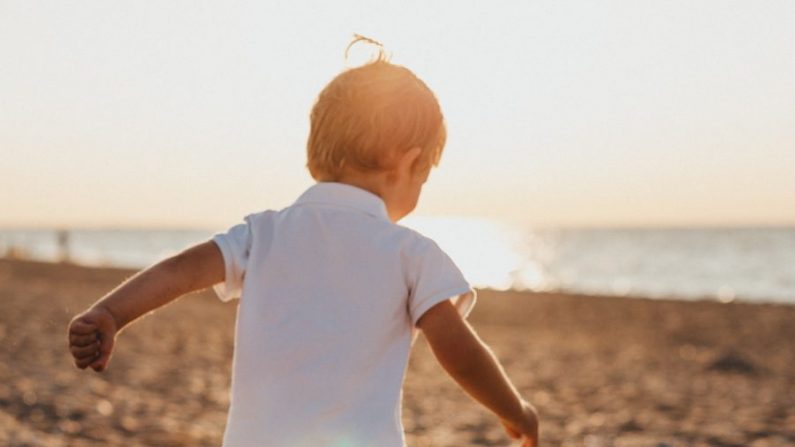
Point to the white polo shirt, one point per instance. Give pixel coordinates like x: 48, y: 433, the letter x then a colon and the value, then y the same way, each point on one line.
x: 330, y: 292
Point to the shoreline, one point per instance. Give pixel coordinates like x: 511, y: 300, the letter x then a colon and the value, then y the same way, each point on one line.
x: 602, y: 370
x: 539, y: 293
x: 744, y: 264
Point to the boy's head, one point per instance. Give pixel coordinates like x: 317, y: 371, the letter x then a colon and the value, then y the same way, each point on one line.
x: 368, y: 116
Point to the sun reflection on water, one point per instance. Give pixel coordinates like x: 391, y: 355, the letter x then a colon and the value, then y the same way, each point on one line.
x: 487, y: 252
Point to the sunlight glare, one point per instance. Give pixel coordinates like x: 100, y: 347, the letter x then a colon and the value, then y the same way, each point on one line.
x: 485, y: 251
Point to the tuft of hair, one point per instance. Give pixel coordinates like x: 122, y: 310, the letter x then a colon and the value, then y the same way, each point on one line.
x: 381, y: 56
x: 367, y: 116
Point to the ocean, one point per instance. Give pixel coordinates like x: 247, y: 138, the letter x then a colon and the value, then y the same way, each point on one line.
x: 726, y: 264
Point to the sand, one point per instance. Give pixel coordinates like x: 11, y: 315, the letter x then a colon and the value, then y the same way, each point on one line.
x: 602, y: 371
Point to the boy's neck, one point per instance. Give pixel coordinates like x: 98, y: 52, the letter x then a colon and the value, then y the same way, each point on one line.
x: 399, y: 186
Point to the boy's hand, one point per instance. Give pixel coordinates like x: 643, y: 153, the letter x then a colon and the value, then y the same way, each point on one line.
x: 91, y: 337
x: 526, y: 429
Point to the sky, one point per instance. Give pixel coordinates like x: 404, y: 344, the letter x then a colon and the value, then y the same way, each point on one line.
x: 194, y: 114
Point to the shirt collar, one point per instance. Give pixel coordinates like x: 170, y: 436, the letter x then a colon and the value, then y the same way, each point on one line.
x: 345, y: 195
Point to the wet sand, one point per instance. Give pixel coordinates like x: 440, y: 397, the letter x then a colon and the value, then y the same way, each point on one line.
x: 603, y: 371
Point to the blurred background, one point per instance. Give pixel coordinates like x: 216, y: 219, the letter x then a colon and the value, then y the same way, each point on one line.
x: 622, y: 168
x: 144, y: 127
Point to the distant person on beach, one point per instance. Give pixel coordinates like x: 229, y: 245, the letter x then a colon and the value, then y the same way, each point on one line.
x: 63, y: 246
x: 332, y: 292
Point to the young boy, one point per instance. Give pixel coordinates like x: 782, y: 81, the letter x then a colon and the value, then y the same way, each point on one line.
x: 332, y: 291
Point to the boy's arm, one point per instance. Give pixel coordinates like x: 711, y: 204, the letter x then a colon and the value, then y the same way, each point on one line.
x: 92, y: 333
x: 476, y: 369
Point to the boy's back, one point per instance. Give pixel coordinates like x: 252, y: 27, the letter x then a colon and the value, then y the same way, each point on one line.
x: 331, y: 290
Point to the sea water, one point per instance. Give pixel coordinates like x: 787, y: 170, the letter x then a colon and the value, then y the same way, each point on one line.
x: 754, y: 264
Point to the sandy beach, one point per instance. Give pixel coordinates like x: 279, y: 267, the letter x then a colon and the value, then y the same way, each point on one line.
x: 602, y: 371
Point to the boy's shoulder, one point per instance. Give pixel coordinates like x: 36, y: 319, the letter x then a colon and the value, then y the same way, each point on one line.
x: 415, y: 246
x: 414, y: 238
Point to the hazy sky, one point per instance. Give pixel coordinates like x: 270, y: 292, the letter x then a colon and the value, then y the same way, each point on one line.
x: 195, y: 113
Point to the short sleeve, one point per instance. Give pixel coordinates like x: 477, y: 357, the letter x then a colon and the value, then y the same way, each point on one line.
x: 235, y: 246
x: 434, y: 277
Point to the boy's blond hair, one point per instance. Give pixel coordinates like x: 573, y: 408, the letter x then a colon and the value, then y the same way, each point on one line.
x: 366, y: 116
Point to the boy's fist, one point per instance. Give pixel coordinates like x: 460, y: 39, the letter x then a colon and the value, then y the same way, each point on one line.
x: 525, y: 429
x: 91, y: 337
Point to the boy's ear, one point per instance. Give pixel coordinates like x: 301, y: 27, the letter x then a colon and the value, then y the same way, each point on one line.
x: 406, y: 162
